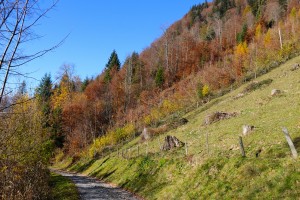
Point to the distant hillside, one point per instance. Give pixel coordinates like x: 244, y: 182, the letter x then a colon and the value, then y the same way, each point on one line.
x: 215, y: 47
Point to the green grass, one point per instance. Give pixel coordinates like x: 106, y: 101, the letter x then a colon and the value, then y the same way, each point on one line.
x: 62, y: 188
x: 219, y: 172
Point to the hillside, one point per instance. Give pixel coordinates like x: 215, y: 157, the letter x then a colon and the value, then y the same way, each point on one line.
x: 214, y: 47
x: 212, y: 166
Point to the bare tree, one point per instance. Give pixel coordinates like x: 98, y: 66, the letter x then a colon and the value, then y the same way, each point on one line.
x: 17, y: 21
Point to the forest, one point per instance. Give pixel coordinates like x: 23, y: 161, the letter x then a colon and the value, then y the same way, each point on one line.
x: 213, y: 49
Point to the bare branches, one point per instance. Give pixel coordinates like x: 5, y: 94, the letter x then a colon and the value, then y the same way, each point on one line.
x: 17, y: 20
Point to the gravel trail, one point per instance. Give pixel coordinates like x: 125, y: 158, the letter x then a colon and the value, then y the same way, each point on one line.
x: 92, y: 189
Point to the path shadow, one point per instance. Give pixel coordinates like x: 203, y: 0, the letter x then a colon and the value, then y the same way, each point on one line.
x: 85, y: 166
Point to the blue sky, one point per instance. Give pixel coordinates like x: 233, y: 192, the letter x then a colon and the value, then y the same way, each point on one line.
x: 96, y: 28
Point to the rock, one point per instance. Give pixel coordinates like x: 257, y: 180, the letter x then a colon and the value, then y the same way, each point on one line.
x: 295, y: 67
x: 275, y: 92
x: 171, y: 142
x: 247, y: 129
x: 183, y: 121
x: 217, y: 116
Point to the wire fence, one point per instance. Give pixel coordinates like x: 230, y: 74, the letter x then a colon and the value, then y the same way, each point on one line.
x: 200, y: 145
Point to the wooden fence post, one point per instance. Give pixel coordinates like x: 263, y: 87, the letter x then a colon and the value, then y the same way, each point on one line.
x: 290, y: 142
x: 186, y: 148
x: 138, y: 150
x: 242, y: 146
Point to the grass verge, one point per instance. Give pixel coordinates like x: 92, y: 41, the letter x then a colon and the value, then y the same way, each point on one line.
x: 62, y: 188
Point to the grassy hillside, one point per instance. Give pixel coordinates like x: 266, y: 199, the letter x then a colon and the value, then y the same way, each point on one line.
x: 213, y: 167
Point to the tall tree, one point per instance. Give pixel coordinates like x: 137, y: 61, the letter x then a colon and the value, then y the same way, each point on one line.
x: 112, y: 65
x: 43, y: 94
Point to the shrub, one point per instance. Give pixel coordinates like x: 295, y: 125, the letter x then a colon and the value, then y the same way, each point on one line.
x: 112, y: 137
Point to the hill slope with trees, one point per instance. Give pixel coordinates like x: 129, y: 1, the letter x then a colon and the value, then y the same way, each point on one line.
x: 215, y: 47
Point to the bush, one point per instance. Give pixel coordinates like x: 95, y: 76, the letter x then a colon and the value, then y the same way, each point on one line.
x: 112, y: 137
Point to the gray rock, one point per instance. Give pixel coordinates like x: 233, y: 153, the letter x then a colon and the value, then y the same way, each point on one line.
x: 247, y: 129
x: 295, y: 67
x: 275, y: 92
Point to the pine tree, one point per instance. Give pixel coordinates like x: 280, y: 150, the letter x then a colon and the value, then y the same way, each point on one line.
x: 43, y: 94
x: 85, y: 84
x: 113, y: 61
x: 159, y: 77
x: 241, y: 37
x: 44, y: 90
x: 112, y: 64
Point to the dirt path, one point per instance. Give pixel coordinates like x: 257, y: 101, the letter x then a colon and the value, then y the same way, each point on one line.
x: 92, y: 189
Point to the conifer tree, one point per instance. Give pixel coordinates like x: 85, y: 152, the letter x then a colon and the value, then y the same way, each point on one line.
x: 112, y: 64
x: 159, y: 77
x: 43, y: 94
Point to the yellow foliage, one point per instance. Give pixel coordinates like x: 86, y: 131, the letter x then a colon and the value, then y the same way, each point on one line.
x: 258, y: 32
x: 147, y: 120
x: 169, y: 107
x: 293, y: 13
x: 60, y: 96
x: 241, y: 49
x: 267, y: 38
x: 111, y: 138
x: 205, y: 90
x: 246, y: 10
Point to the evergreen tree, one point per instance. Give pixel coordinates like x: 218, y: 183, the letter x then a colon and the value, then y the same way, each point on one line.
x: 44, y: 90
x: 221, y: 6
x: 43, y: 94
x: 159, y: 77
x: 241, y: 37
x: 113, y: 61
x: 256, y: 7
x: 85, y: 84
x: 112, y: 64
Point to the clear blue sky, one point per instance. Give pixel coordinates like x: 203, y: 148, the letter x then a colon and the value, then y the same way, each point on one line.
x: 96, y: 28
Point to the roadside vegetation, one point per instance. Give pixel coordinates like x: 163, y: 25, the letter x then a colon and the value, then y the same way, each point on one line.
x: 62, y: 188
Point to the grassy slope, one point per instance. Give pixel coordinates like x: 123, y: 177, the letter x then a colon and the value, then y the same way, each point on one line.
x: 63, y: 188
x: 220, y: 173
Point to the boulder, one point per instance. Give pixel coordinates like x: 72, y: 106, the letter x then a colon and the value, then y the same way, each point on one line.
x: 183, y: 121
x: 295, y: 67
x: 217, y: 116
x: 275, y: 92
x: 171, y: 142
x: 247, y: 129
